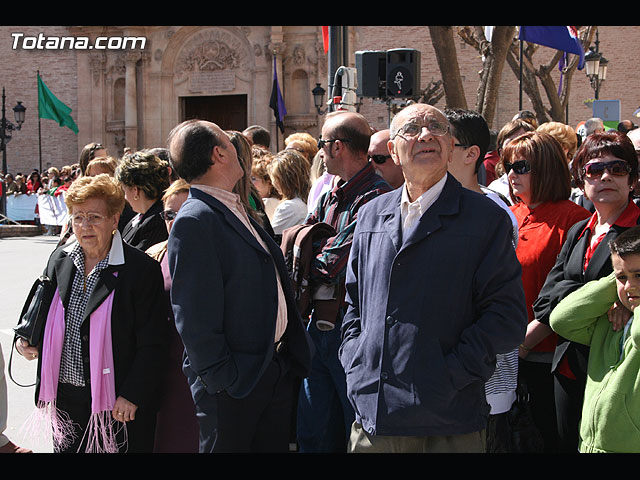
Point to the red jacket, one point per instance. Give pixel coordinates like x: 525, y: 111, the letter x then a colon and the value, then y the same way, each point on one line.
x: 541, y: 233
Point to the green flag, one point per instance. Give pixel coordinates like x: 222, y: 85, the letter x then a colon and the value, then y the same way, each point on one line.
x: 50, y: 107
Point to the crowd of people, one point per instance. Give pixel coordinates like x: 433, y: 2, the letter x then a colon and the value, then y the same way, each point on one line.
x: 419, y: 288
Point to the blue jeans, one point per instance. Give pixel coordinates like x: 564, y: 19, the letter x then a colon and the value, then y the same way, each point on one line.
x: 325, y: 415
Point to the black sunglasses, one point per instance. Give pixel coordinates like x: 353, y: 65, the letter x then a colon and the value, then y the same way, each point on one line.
x: 322, y: 143
x: 617, y: 168
x: 379, y: 159
x: 520, y: 167
x: 168, y: 215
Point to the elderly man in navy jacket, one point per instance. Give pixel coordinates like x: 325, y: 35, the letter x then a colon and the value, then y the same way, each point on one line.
x: 434, y: 293
x: 233, y: 303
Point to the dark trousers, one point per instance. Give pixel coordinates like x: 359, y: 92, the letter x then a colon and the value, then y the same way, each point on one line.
x: 499, y: 433
x: 539, y: 381
x: 76, y: 402
x: 569, y: 395
x: 257, y: 423
x: 325, y: 415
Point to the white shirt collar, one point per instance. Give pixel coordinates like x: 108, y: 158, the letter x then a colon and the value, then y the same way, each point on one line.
x: 424, y: 201
x: 116, y: 253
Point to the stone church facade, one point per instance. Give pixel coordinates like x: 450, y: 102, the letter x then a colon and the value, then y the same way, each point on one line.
x: 133, y: 96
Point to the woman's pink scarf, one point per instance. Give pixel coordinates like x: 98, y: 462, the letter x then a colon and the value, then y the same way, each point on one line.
x: 102, y: 428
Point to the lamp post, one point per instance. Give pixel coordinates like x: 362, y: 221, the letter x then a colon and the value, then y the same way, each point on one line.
x: 318, y: 98
x: 6, y: 127
x: 596, y: 67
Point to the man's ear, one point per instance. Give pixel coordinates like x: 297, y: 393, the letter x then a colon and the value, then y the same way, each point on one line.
x: 391, y: 146
x: 217, y: 154
x: 473, y: 152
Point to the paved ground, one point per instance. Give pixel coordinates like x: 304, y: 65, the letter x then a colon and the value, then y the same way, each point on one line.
x: 22, y: 259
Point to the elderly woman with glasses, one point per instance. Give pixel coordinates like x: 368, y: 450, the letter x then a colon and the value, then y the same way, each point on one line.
x: 605, y: 168
x: 144, y: 178
x: 539, y: 186
x: 105, y: 335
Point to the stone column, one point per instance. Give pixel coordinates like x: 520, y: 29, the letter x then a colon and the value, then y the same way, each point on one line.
x: 131, y: 109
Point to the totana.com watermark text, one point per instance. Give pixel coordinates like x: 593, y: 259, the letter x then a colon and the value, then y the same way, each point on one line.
x: 45, y: 42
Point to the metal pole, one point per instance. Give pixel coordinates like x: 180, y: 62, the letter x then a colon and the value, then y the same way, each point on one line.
x: 3, y: 145
x: 39, y: 129
x: 333, y: 61
x: 521, y: 53
x: 597, y: 74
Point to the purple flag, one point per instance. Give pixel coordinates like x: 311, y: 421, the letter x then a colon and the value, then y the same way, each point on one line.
x: 276, y: 102
x: 558, y: 37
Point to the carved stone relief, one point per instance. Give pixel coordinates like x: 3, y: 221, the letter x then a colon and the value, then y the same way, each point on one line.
x: 212, y: 60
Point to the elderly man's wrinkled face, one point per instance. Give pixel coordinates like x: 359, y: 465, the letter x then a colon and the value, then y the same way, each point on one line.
x: 421, y: 141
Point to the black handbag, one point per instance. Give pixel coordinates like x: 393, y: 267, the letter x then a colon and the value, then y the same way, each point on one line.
x: 525, y: 435
x: 35, y: 310
x: 33, y: 316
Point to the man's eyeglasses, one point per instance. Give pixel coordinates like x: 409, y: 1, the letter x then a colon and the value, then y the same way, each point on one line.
x: 617, y: 168
x: 168, y: 215
x: 413, y: 129
x: 322, y: 143
x: 520, y: 167
x: 379, y: 159
x: 91, y: 218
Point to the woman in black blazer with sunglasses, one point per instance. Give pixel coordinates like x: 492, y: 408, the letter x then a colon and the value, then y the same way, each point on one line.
x: 606, y: 170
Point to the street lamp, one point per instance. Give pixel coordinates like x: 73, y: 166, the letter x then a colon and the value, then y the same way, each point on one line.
x: 6, y: 127
x: 596, y: 67
x: 318, y: 98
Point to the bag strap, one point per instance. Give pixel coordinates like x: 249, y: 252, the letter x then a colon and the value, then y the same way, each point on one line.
x: 50, y: 273
x: 13, y: 347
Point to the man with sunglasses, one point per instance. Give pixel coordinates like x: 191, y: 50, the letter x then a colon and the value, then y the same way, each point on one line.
x: 434, y: 294
x: 324, y: 413
x: 379, y: 155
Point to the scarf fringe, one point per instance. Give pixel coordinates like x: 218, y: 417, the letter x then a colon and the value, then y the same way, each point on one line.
x: 48, y: 422
x: 101, y: 433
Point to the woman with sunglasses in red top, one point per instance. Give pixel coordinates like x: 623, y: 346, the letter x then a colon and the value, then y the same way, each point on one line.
x: 605, y: 168
x: 539, y: 186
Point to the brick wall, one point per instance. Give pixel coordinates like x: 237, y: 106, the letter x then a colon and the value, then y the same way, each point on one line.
x: 58, y: 70
x: 619, y: 44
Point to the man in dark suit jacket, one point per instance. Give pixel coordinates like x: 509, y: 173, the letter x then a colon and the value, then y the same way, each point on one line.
x: 233, y: 303
x: 434, y: 293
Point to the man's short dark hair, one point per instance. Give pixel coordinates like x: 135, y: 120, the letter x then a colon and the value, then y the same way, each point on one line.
x: 191, y: 157
x: 355, y: 131
x: 258, y: 135
x: 470, y: 128
x: 627, y: 243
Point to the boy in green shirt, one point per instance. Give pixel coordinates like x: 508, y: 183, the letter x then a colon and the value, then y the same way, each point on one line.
x: 611, y: 409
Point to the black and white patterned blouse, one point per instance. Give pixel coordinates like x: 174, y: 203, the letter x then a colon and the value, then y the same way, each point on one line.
x: 71, y: 365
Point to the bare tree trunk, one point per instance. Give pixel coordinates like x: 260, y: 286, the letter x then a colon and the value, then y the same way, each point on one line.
x: 529, y: 83
x: 495, y: 54
x: 446, y: 55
